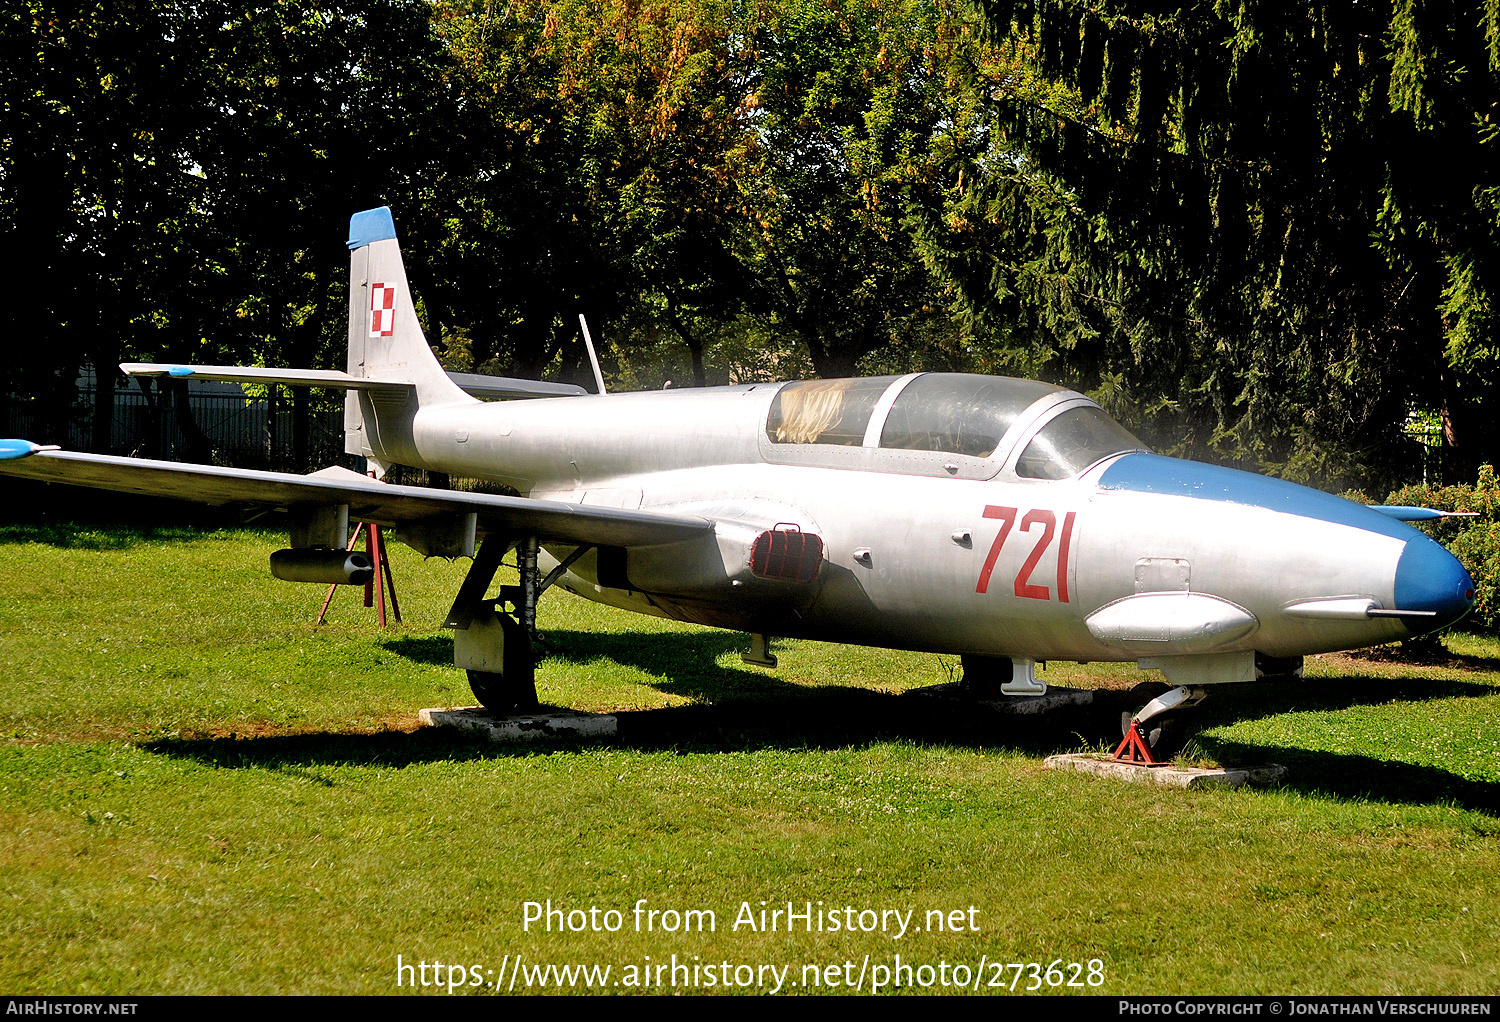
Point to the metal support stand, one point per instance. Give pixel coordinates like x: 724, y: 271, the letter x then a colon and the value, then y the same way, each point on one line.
x: 760, y: 651
x: 382, y: 581
x: 1133, y: 749
x: 1137, y: 746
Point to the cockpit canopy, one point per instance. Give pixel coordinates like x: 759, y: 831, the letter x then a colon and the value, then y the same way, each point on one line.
x: 825, y: 411
x: 957, y: 414
x: 945, y: 413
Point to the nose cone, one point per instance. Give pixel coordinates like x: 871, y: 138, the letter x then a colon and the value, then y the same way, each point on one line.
x: 1430, y: 578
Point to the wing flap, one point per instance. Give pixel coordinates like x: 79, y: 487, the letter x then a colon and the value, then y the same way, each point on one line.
x: 369, y: 499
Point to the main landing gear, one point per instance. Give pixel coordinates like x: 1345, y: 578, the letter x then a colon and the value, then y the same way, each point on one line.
x: 505, y: 680
x: 1155, y: 733
x: 493, y: 637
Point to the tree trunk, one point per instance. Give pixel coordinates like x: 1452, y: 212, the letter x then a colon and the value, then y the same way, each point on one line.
x: 1467, y: 431
x: 831, y: 361
x: 198, y: 448
x: 694, y: 345
x: 104, y: 406
x: 301, y: 456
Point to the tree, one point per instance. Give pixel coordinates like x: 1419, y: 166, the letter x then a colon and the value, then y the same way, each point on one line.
x: 1442, y: 200
x: 1195, y: 219
x: 601, y: 182
x: 861, y: 118
x: 172, y: 175
x: 96, y: 189
x: 745, y: 171
x: 319, y: 110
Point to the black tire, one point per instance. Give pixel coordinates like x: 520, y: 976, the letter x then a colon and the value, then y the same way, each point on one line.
x: 501, y: 695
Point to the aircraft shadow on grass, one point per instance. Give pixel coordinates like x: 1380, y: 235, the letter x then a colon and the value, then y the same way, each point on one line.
x: 1356, y: 778
x: 743, y: 709
x: 1439, y: 657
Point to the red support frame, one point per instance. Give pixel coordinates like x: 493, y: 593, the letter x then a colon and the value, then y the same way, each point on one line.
x: 380, y: 583
x: 1133, y: 749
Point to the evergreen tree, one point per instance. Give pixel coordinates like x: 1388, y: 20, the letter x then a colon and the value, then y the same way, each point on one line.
x: 1232, y: 222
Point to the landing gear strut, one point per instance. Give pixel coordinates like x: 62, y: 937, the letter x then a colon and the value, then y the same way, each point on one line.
x: 1154, y: 734
x: 493, y: 644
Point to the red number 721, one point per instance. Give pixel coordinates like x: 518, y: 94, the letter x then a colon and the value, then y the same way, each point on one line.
x: 1024, y: 587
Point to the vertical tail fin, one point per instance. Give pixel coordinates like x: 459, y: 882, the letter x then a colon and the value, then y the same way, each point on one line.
x: 386, y: 342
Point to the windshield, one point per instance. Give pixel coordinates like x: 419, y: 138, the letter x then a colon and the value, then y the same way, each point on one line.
x: 1073, y: 441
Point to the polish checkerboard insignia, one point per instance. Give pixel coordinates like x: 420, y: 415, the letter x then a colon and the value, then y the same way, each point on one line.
x: 382, y: 310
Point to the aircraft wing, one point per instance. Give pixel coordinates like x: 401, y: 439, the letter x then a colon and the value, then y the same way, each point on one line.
x: 369, y: 500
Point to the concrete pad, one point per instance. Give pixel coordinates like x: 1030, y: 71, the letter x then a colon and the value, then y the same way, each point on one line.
x: 1177, y: 777
x: 1055, y: 698
x: 548, y: 722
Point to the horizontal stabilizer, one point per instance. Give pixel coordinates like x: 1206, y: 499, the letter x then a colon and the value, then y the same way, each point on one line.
x: 471, y: 383
x: 254, y: 374
x: 508, y: 387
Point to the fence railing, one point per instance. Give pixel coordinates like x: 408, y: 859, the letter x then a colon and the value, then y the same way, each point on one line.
x: 242, y: 431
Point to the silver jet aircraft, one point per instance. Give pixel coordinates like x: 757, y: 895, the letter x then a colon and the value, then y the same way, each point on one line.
x: 1006, y: 521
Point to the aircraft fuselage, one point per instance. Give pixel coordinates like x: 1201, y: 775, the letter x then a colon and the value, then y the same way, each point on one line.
x: 1137, y: 556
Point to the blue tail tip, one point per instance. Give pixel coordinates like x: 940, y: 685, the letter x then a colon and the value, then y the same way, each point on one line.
x: 371, y: 226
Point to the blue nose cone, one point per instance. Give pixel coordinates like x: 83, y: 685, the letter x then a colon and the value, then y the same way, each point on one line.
x: 1430, y: 578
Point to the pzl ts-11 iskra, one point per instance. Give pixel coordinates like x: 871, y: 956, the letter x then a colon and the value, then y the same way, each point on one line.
x: 1004, y: 520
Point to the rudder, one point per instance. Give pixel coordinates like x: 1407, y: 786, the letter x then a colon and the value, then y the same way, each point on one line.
x: 386, y: 342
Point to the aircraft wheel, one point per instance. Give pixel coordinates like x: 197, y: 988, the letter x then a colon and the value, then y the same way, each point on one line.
x: 503, y: 695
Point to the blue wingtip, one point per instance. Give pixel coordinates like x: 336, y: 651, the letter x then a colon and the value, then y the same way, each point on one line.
x: 371, y: 226
x: 12, y: 449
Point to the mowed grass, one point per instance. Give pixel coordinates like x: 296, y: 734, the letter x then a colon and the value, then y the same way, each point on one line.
x: 201, y: 792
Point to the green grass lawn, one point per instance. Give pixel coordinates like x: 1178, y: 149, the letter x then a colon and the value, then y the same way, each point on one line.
x: 204, y: 793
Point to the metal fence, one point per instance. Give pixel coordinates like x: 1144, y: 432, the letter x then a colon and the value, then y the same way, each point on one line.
x: 241, y: 430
